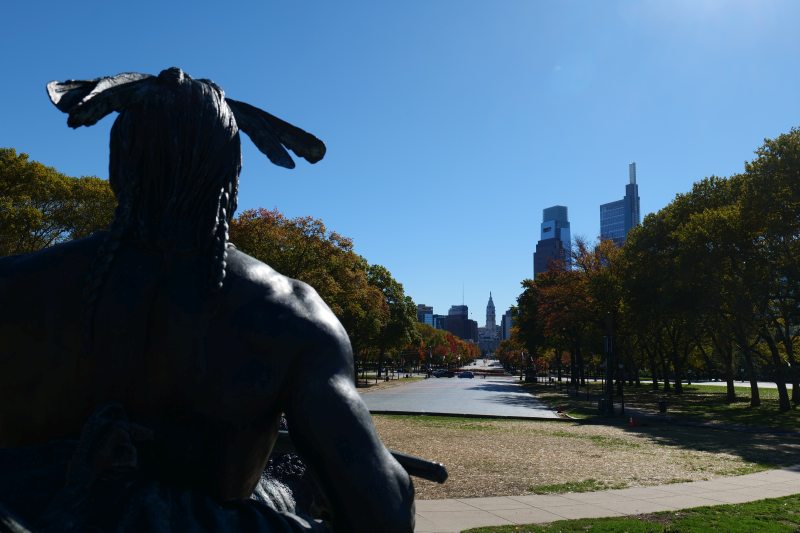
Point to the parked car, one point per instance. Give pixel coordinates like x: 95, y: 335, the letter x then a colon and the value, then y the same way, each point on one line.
x: 442, y: 373
x: 466, y: 374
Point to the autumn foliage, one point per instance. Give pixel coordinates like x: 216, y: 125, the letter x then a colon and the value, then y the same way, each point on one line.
x: 708, y: 286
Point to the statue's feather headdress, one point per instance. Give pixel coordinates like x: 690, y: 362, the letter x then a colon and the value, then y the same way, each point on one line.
x: 88, y: 101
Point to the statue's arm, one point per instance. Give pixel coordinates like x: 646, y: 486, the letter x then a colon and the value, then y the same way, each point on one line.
x: 332, y: 428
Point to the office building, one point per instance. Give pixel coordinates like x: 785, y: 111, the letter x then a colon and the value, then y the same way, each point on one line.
x: 458, y: 323
x: 555, y: 245
x: 618, y: 218
x: 505, y: 324
x: 458, y: 310
x: 425, y: 314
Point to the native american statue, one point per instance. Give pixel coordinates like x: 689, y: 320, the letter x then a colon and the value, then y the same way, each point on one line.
x: 146, y: 367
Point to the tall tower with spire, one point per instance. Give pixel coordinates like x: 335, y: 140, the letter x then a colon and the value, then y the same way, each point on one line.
x: 491, y: 325
x: 618, y: 218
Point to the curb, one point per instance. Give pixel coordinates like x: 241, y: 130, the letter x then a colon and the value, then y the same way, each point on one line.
x: 471, y: 415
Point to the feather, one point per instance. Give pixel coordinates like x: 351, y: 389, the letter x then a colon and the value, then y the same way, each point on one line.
x: 87, y: 101
x: 270, y: 134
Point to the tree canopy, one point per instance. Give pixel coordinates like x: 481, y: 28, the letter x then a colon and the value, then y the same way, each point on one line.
x: 40, y: 206
x: 709, y: 285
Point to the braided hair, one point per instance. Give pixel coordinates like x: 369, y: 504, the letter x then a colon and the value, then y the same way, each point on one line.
x: 174, y: 166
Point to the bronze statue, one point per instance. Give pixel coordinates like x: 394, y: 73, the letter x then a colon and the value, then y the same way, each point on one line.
x: 199, y: 344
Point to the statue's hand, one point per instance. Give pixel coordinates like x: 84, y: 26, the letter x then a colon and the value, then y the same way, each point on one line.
x: 106, y: 449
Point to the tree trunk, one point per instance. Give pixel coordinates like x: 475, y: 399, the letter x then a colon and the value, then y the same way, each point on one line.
x: 780, y: 377
x: 709, y: 363
x: 755, y: 397
x: 573, y: 374
x: 653, y: 370
x: 676, y: 364
x: 794, y: 371
x: 730, y: 373
x: 381, y: 353
x: 723, y: 347
x: 558, y: 362
x: 794, y: 374
x: 664, y: 370
x: 579, y: 362
x: 730, y: 395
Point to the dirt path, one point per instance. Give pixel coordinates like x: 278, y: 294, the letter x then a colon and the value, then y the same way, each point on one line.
x: 503, y: 457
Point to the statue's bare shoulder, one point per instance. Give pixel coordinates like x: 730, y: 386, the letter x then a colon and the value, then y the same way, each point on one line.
x: 277, y: 305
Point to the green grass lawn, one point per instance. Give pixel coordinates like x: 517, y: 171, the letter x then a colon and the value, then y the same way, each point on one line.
x: 698, y: 402
x: 773, y: 515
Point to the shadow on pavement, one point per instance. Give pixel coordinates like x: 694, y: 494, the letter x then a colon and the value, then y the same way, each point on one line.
x: 498, y: 387
x: 519, y: 400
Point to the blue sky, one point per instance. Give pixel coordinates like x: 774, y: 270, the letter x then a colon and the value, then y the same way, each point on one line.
x: 450, y: 124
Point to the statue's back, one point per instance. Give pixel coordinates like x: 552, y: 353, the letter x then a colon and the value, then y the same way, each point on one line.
x: 205, y: 371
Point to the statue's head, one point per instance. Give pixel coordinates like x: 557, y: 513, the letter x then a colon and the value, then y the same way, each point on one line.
x: 175, y: 152
x: 175, y: 161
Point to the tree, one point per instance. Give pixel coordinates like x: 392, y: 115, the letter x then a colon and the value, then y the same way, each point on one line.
x: 399, y: 329
x: 509, y: 353
x: 40, y: 207
x: 528, y: 329
x: 771, y: 207
x: 716, y: 244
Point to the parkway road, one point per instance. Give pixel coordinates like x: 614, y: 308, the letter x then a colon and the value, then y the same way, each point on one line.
x: 491, y: 396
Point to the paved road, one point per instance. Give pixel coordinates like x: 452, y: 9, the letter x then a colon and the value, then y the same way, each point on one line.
x: 493, y: 396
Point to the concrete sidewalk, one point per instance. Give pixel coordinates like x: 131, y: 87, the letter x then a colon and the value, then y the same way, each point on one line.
x: 454, y: 515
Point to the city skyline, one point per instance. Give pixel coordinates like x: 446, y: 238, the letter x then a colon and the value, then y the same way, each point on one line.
x: 444, y: 149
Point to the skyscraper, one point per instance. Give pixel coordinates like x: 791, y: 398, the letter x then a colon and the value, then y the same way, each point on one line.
x: 458, y: 323
x: 506, y: 323
x: 555, y: 244
x: 618, y: 218
x: 458, y: 310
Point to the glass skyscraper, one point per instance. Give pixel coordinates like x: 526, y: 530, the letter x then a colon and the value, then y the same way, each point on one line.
x: 555, y: 244
x: 617, y: 218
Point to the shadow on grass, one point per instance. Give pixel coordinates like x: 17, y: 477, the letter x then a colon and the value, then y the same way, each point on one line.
x: 761, y: 435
